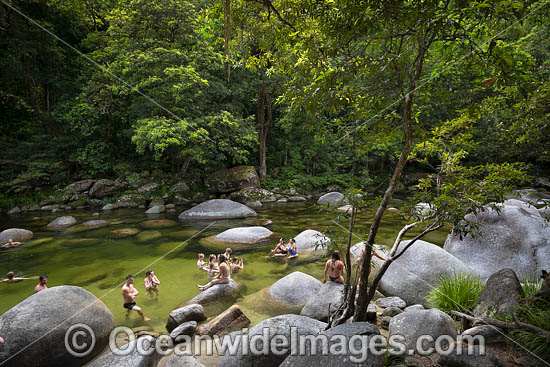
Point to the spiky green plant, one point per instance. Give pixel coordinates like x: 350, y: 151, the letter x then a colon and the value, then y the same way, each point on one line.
x: 531, y: 286
x: 458, y: 292
x: 537, y: 313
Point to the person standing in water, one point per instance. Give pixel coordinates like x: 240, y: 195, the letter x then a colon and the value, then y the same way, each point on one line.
x: 11, y: 244
x: 335, y: 269
x: 151, y: 283
x: 43, y: 279
x: 237, y: 265
x: 222, y: 278
x: 129, y: 293
x: 228, y: 255
x: 11, y: 278
x: 201, y: 265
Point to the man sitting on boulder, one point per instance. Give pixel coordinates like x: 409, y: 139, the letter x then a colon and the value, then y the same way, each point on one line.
x: 12, y: 279
x: 129, y: 294
x: 11, y: 244
x: 335, y: 269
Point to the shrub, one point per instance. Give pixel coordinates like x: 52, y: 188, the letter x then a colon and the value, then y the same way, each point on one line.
x: 537, y: 313
x: 459, y: 292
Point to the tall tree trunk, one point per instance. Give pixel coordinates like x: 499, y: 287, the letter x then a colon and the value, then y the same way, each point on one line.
x: 363, y: 298
x: 264, y: 106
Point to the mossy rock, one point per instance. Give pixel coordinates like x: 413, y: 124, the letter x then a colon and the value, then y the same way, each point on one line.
x: 175, y: 247
x: 148, y: 236
x: 124, y: 232
x: 182, y: 235
x: 212, y: 244
x: 86, y: 277
x: 79, y: 242
x: 158, y: 223
x: 39, y: 241
x: 88, y: 226
x: 110, y: 284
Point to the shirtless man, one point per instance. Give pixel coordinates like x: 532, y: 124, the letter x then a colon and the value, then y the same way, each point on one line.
x: 335, y: 269
x: 222, y: 278
x: 280, y: 249
x: 12, y: 279
x: 43, y: 279
x: 151, y: 283
x: 129, y: 294
x: 237, y: 265
x: 11, y: 244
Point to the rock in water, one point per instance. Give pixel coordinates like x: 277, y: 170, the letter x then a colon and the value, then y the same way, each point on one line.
x: 231, y: 319
x: 244, y: 235
x: 317, y: 307
x: 518, y: 238
x: 192, y: 312
x: 129, y: 355
x: 156, y: 209
x: 295, y: 289
x: 16, y: 234
x: 215, y: 293
x: 311, y: 240
x: 279, y: 325
x: 104, y: 187
x: 353, y: 357
x: 413, y: 324
x: 332, y: 199
x: 61, y: 222
x: 39, y: 323
x: 218, y: 209
x: 502, y: 294
x: 233, y: 179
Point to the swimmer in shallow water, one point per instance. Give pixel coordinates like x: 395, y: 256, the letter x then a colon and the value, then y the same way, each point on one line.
x: 11, y: 278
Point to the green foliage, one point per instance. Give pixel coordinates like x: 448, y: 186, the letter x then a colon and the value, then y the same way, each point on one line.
x: 459, y: 292
x: 536, y: 313
x: 531, y: 286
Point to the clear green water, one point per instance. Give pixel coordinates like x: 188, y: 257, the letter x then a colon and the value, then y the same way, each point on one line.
x: 98, y: 261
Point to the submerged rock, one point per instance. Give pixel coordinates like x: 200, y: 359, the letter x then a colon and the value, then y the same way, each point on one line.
x: 124, y: 232
x: 158, y: 223
x: 147, y: 236
x: 244, y: 235
x: 218, y: 209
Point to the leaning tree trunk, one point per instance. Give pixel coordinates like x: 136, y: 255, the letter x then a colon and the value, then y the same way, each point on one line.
x: 264, y: 106
x: 363, y: 298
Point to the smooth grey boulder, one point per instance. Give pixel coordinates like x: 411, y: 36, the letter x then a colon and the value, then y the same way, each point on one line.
x: 502, y: 294
x: 215, y: 293
x: 232, y: 179
x: 133, y: 357
x: 95, y: 223
x: 413, y: 275
x: 295, y: 289
x: 412, y: 324
x: 491, y: 334
x: 61, y: 222
x: 280, y: 325
x: 80, y: 186
x: 332, y: 199
x: 218, y: 209
x: 187, y: 328
x: 192, y: 312
x: 245, y: 235
x: 391, y: 311
x: 358, y: 332
x: 183, y: 361
x: 478, y: 359
x: 105, y: 187
x: 414, y: 307
x: 296, y: 199
x: 391, y: 302
x: 311, y: 240
x: 156, y: 209
x: 518, y: 238
x: 16, y: 234
x: 39, y: 323
x: 317, y: 307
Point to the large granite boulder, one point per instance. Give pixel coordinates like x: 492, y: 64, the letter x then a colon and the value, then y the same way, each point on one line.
x: 16, y: 234
x: 244, y: 235
x: 79, y: 186
x: 332, y: 199
x: 413, y: 324
x: 295, y: 289
x: 129, y: 355
x: 218, y: 209
x: 187, y: 328
x: 251, y: 194
x: 105, y: 187
x: 232, y: 179
x: 358, y: 356
x: 156, y: 209
x: 39, y: 323
x: 502, y: 294
x: 130, y: 201
x: 216, y: 293
x: 61, y: 222
x: 192, y: 312
x: 279, y: 325
x: 518, y: 238
x: 413, y: 275
x: 179, y: 188
x: 311, y: 240
x: 479, y: 358
x: 183, y: 361
x: 231, y: 319
x: 331, y: 294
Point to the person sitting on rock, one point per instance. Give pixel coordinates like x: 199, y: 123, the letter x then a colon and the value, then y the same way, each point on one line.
x: 335, y: 269
x: 11, y: 278
x: 228, y: 255
x: 43, y: 279
x: 129, y: 293
x: 292, y: 249
x: 201, y: 264
x: 222, y: 278
x: 280, y: 249
x: 237, y: 265
x: 11, y: 244
x: 151, y: 283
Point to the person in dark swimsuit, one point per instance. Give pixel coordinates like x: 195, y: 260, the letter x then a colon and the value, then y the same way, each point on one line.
x: 129, y: 293
x: 335, y: 269
x: 280, y: 249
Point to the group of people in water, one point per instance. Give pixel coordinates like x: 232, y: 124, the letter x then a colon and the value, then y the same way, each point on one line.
x: 219, y: 268
x: 42, y: 280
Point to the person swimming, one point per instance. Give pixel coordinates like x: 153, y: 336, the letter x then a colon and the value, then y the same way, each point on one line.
x: 11, y: 278
x: 222, y: 278
x: 212, y: 268
x: 292, y: 249
x: 237, y: 265
x: 335, y: 269
x: 11, y: 244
